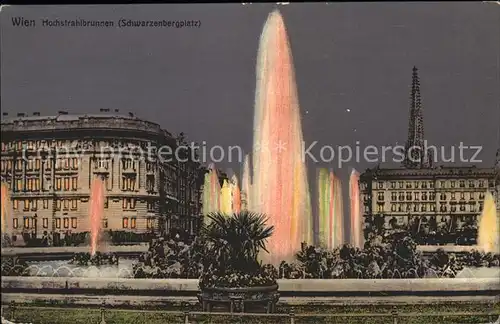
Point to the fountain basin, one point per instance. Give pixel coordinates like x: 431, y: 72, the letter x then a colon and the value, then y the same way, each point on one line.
x: 287, y: 287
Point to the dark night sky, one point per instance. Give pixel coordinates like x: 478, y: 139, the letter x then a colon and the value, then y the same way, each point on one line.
x: 355, y: 56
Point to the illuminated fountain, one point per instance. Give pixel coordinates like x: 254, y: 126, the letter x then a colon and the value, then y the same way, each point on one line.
x: 246, y: 185
x: 235, y: 195
x: 488, y: 232
x: 279, y: 181
x: 96, y: 211
x: 5, y: 209
x: 226, y: 199
x: 355, y: 217
x: 330, y: 210
x: 211, y: 192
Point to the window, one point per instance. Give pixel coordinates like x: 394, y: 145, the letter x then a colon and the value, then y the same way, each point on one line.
x: 125, y: 222
x: 393, y: 207
x: 408, y: 184
x: 394, y: 196
x: 105, y: 223
x: 424, y: 185
x: 481, y: 183
x: 26, y: 205
x: 74, y: 204
x: 471, y: 196
x: 15, y: 223
x: 129, y: 203
x: 106, y: 202
x: 471, y: 183
x: 15, y: 204
x: 66, y: 222
x: 150, y: 183
x: 431, y: 184
x: 73, y: 222
x: 128, y: 183
x: 452, y: 196
x: 45, y: 222
x: 381, y: 185
x: 453, y: 183
x: 74, y: 183
x: 65, y: 204
x: 133, y: 222
x: 149, y: 223
x: 58, y: 204
x: 58, y: 183
x: 66, y: 183
x: 462, y: 195
x: 74, y: 163
x: 462, y: 183
x: 26, y: 222
x: 45, y: 204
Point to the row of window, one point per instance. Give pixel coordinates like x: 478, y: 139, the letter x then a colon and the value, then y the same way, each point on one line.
x: 427, y: 207
x: 430, y: 184
x: 35, y: 164
x: 67, y: 204
x: 408, y: 196
x: 33, y: 184
x: 32, y: 223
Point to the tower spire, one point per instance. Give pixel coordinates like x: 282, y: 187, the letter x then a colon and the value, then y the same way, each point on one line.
x: 415, y: 155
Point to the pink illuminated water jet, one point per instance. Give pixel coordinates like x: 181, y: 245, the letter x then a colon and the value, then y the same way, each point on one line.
x: 96, y: 212
x: 355, y: 199
x: 279, y: 182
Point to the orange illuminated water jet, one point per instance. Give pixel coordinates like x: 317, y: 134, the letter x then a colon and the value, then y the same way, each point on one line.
x: 96, y: 212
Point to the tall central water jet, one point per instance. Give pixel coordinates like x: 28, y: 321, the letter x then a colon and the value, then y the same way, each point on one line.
x: 96, y: 211
x: 279, y: 187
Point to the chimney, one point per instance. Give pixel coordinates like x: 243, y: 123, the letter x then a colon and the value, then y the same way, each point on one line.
x: 117, y: 110
x: 5, y: 114
x: 20, y: 114
x: 101, y: 110
x: 131, y: 114
x: 105, y: 110
x: 62, y: 112
x: 36, y: 113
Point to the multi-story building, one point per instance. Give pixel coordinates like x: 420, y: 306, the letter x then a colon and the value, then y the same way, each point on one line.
x: 48, y: 164
x: 418, y: 196
x: 446, y: 195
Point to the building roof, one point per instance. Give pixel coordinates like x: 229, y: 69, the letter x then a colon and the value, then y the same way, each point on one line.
x: 441, y: 171
x: 35, y: 122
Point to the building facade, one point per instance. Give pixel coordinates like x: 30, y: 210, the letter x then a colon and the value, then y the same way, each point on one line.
x: 48, y: 164
x: 450, y: 197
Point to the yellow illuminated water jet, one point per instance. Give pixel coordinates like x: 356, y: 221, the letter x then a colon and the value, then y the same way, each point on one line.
x: 488, y: 231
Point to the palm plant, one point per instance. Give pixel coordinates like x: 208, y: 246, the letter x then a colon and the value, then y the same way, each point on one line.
x: 237, y: 239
